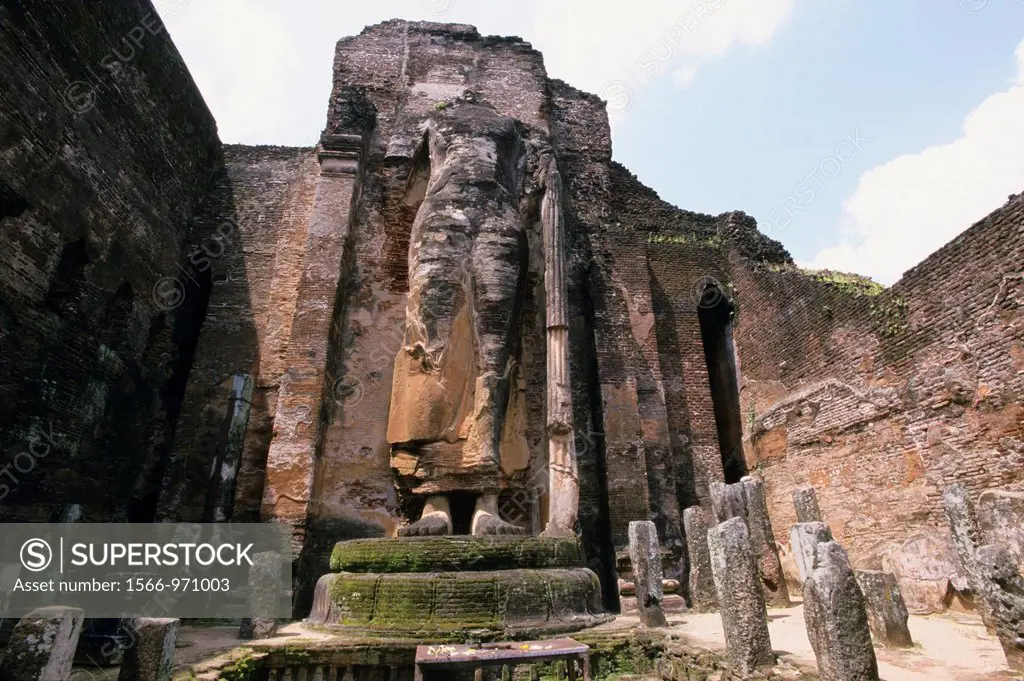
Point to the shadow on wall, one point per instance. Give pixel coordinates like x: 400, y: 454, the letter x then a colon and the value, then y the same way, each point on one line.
x: 199, y: 484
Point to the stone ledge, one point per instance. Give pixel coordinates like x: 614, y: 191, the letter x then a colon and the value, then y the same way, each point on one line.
x: 455, y: 554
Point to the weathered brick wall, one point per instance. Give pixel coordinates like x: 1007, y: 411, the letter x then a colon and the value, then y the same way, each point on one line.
x: 254, y: 221
x: 106, y: 148
x: 880, y: 400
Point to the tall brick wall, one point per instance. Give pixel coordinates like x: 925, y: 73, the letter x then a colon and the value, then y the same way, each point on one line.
x: 106, y: 148
x: 253, y: 223
x: 881, y: 400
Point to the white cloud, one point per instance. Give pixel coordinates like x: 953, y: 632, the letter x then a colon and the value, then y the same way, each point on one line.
x: 265, y: 71
x: 905, y: 209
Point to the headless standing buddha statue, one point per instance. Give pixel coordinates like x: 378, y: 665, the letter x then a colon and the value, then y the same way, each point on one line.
x: 467, y: 272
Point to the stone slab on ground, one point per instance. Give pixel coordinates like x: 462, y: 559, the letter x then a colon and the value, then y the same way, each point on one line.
x: 701, y: 581
x: 740, y: 600
x: 150, y: 656
x: 887, y: 613
x: 645, y: 556
x: 836, y: 618
x: 42, y: 645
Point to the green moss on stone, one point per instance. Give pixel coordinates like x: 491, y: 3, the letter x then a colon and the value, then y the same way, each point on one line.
x: 441, y: 603
x: 461, y: 553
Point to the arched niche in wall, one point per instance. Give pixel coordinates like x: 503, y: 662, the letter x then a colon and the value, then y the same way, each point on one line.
x: 715, y: 312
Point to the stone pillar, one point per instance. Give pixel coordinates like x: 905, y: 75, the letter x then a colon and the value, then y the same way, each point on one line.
x: 645, y: 556
x: 806, y: 502
x: 264, y: 589
x: 42, y: 645
x: 804, y: 539
x: 740, y: 599
x: 564, y: 487
x: 762, y: 539
x: 1003, y: 590
x: 745, y: 499
x: 149, y: 659
x: 727, y: 501
x: 290, y: 470
x: 836, y: 619
x: 221, y: 501
x: 963, y: 525
x: 702, y: 581
x: 887, y: 612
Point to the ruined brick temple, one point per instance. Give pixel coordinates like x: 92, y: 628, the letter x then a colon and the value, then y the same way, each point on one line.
x: 456, y: 288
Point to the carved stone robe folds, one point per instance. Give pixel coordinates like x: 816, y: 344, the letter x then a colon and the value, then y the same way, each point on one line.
x: 456, y: 411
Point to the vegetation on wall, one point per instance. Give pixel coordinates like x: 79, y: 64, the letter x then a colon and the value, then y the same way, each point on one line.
x: 716, y: 241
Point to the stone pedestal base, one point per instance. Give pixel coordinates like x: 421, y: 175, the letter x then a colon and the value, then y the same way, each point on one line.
x: 448, y: 588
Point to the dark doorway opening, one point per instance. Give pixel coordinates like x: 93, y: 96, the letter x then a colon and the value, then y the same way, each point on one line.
x: 715, y: 313
x: 11, y: 204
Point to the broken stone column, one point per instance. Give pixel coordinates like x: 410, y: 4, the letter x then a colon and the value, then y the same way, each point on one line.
x: 804, y: 539
x: 762, y: 539
x: 806, y: 502
x: 1002, y: 588
x: 837, y: 620
x: 702, y: 582
x: 149, y: 658
x: 963, y: 524
x: 887, y: 613
x: 42, y: 645
x: 740, y: 599
x: 645, y: 556
x: 265, y: 578
x: 727, y: 501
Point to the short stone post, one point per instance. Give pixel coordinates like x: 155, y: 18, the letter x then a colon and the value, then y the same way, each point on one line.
x: 645, y: 556
x: 762, y: 539
x: 836, y: 619
x: 1003, y: 589
x: 42, y: 645
x: 740, y: 599
x: 702, y: 582
x: 150, y: 656
x: 806, y: 502
x: 264, y: 586
x: 804, y: 539
x: 963, y: 524
x: 887, y: 612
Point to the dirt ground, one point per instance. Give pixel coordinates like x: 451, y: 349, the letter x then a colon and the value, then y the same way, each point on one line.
x: 949, y: 647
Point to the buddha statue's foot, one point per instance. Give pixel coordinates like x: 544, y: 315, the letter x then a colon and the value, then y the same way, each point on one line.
x: 435, y: 521
x: 486, y: 521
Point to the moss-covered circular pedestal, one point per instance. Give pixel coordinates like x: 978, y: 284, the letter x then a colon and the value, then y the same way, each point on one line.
x: 445, y: 588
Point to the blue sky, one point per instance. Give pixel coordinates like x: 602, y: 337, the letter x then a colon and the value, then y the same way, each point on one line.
x: 909, y: 113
